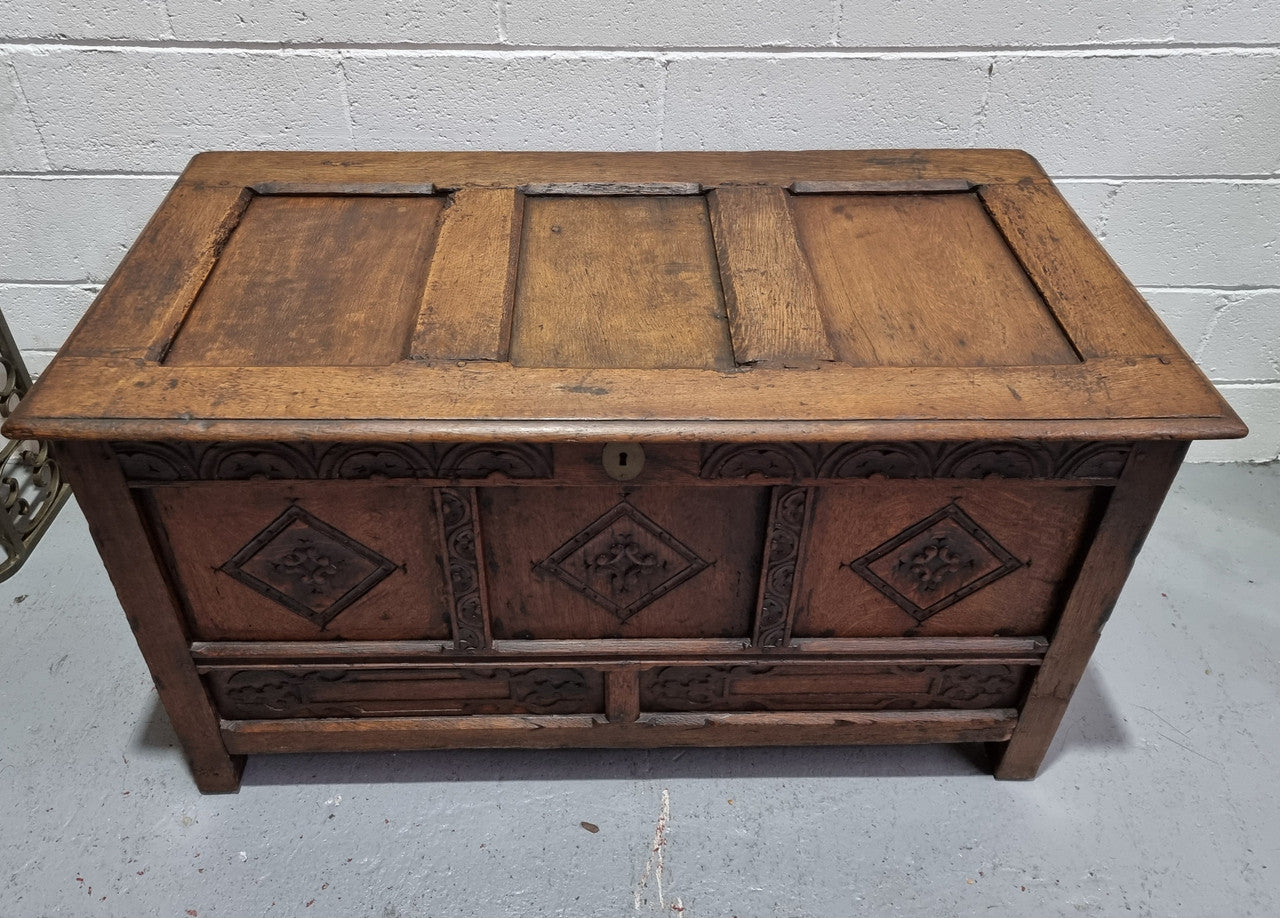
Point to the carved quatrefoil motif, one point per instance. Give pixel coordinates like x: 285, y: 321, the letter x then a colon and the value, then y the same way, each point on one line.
x: 623, y: 561
x: 936, y: 563
x: 308, y: 566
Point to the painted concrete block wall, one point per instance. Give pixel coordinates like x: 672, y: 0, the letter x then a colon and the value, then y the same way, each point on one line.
x: 1160, y: 119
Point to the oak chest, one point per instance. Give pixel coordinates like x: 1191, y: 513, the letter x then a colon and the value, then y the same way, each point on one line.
x: 397, y: 451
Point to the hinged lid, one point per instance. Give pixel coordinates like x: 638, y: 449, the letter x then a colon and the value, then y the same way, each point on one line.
x: 818, y: 296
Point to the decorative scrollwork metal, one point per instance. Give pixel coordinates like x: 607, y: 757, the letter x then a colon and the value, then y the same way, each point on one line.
x: 32, y: 486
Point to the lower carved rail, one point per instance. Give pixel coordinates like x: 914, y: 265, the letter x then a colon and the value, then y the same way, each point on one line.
x: 594, y: 731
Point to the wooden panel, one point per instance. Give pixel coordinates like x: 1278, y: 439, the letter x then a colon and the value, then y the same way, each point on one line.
x: 625, y: 281
x: 1021, y: 459
x: 355, y: 560
x: 313, y: 280
x: 263, y: 693
x: 453, y: 170
x: 923, y: 280
x: 633, y: 652
x: 1098, y: 307
x: 1129, y: 517
x: 904, y: 186
x: 841, y: 687
x: 132, y: 556
x: 1105, y: 398
x: 139, y: 310
x: 1146, y: 379
x: 466, y: 311
x: 771, y: 298
x: 622, y: 563
x: 678, y: 729
x: 712, y: 464
x: 939, y: 558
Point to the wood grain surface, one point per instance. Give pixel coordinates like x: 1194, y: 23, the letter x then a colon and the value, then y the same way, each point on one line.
x: 466, y: 308
x: 208, y: 523
x: 649, y: 730
x: 313, y: 280
x: 912, y: 294
x: 722, y: 528
x: 923, y: 280
x: 834, y: 600
x: 619, y: 281
x: 904, y: 422
x: 772, y: 300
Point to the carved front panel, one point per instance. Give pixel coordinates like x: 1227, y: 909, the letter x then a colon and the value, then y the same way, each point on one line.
x: 941, y: 558
x: 275, y: 560
x: 495, y: 463
x: 620, y: 562
x: 252, y: 694
x: 831, y: 687
x: 461, y: 539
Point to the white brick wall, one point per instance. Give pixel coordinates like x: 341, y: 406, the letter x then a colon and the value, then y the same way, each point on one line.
x: 1159, y: 118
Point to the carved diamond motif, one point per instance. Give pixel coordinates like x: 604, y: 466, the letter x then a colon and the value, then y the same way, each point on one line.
x: 308, y: 566
x: 623, y: 561
x: 936, y: 563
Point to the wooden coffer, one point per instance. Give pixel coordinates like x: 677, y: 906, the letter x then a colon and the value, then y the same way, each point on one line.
x: 399, y: 451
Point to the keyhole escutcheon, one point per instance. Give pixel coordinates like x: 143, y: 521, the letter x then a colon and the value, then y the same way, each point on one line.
x: 622, y: 461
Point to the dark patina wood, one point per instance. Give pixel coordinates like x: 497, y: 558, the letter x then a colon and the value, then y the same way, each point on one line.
x: 401, y: 451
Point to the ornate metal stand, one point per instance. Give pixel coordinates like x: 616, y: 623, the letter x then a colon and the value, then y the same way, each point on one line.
x: 31, y: 483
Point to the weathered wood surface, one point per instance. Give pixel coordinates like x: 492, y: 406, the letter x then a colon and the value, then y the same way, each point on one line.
x: 1119, y: 537
x: 135, y: 563
x: 807, y: 296
x: 680, y: 729
x: 901, y: 417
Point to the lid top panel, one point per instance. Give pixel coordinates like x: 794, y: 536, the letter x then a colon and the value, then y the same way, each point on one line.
x: 572, y: 290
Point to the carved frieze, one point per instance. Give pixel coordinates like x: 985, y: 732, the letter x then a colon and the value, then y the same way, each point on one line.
x: 256, y: 694
x: 982, y: 459
x: 759, y: 687
x: 159, y: 462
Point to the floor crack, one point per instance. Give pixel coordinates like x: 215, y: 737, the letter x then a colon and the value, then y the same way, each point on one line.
x: 653, y: 866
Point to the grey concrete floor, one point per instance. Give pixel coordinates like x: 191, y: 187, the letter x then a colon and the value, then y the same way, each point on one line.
x: 1158, y: 798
